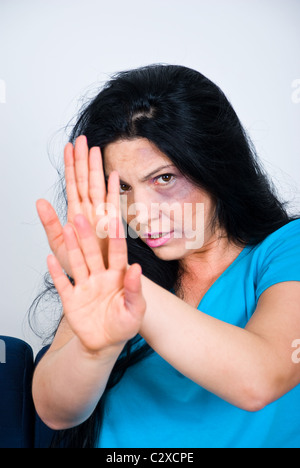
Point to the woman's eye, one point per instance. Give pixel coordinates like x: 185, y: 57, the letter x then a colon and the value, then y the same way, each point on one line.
x: 166, y: 178
x: 123, y: 188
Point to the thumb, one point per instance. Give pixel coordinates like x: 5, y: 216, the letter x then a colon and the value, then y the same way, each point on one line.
x: 134, y: 299
x: 51, y: 223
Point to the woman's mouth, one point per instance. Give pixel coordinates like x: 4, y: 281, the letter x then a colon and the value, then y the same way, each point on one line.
x: 157, y: 240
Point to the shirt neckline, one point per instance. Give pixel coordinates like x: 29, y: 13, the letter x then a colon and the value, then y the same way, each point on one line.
x: 241, y: 255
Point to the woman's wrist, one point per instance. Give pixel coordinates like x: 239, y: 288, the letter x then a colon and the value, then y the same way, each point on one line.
x: 110, y: 352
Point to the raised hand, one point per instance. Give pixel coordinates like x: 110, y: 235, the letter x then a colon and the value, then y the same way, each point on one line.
x: 106, y: 307
x: 86, y: 190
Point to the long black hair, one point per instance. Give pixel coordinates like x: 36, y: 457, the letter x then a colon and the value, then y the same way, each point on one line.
x: 191, y: 121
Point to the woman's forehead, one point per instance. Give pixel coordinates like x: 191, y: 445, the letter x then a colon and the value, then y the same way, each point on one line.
x: 133, y: 155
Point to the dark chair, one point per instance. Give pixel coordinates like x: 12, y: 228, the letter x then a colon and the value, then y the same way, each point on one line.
x: 43, y: 435
x: 20, y: 426
x: 16, y: 406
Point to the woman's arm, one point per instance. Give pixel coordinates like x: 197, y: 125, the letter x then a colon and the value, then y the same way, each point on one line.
x: 102, y: 311
x: 71, y: 377
x: 69, y: 382
x: 249, y: 367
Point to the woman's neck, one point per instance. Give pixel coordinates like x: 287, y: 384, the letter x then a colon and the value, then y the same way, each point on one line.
x: 201, y: 269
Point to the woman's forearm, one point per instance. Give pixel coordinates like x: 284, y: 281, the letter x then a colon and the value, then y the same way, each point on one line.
x: 68, y: 383
x: 228, y: 361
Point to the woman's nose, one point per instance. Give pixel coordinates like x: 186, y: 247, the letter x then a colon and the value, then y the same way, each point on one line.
x: 143, y: 212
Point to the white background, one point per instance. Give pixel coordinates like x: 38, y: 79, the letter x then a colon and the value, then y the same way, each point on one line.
x: 53, y: 53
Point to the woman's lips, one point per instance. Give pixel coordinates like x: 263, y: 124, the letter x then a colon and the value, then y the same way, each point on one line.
x: 158, y: 242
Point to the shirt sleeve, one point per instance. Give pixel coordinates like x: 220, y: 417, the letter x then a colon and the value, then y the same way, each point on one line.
x: 280, y: 259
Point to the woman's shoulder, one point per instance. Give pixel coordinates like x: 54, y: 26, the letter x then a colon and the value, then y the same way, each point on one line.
x: 281, y: 247
x: 277, y: 258
x: 292, y: 226
x: 289, y: 234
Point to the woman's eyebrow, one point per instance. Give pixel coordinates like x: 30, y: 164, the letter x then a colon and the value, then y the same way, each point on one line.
x: 154, y: 172
x: 148, y: 176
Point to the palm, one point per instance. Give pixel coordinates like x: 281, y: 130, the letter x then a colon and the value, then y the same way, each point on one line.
x: 97, y: 312
x: 106, y: 306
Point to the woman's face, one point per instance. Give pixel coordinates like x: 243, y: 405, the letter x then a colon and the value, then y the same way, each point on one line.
x: 157, y: 200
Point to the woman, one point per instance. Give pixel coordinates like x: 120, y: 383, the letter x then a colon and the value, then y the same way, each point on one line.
x: 197, y: 351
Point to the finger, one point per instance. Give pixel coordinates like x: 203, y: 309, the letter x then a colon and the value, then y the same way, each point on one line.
x: 82, y: 167
x: 132, y: 280
x: 61, y: 282
x: 97, y: 186
x: 51, y: 223
x: 89, y: 245
x: 113, y: 193
x: 134, y: 298
x: 117, y: 246
x: 77, y: 262
x: 70, y: 177
x: 113, y: 203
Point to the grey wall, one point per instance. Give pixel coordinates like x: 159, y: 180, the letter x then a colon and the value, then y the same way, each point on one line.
x: 54, y: 52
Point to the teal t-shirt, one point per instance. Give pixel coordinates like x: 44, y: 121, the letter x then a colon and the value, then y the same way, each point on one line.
x: 155, y: 406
